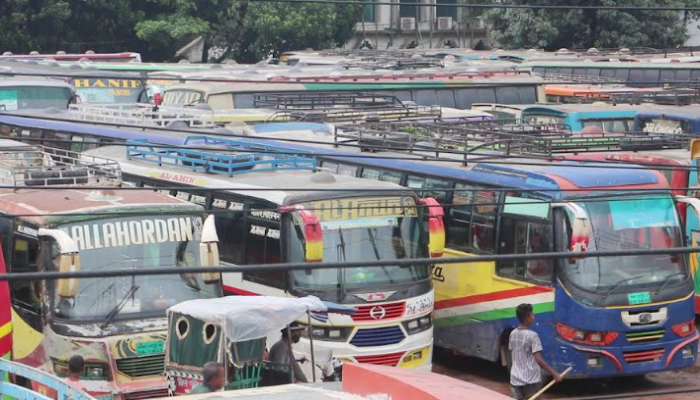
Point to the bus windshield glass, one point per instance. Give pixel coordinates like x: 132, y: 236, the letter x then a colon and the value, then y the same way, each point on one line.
x: 182, y: 98
x: 31, y: 97
x: 543, y: 119
x: 662, y: 125
x: 365, y: 229
x: 130, y: 244
x: 619, y: 224
x: 109, y: 91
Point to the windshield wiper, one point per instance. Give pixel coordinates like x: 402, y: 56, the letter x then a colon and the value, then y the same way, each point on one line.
x: 667, y: 280
x: 618, y: 284
x: 115, y: 311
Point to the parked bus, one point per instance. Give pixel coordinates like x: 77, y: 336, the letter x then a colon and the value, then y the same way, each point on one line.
x: 669, y: 120
x: 325, y: 217
x: 589, y: 308
x: 34, y: 93
x: 117, y: 325
x: 446, y: 93
x: 610, y: 119
x: 692, y: 230
x: 635, y: 74
x: 502, y: 112
x: 62, y: 56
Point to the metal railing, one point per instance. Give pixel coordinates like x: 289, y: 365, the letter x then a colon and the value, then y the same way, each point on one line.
x: 142, y: 114
x: 32, y: 166
x: 252, y: 157
x: 64, y: 390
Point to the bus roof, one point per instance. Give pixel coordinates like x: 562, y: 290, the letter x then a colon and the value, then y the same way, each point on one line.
x: 691, y: 112
x: 27, y: 82
x: 83, y: 201
x: 586, y: 109
x: 608, y: 65
x: 313, y: 185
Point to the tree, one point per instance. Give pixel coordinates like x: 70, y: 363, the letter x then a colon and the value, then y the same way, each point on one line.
x: 577, y: 28
x: 30, y: 25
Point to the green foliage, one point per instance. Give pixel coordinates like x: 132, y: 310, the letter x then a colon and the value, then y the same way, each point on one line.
x: 554, y: 29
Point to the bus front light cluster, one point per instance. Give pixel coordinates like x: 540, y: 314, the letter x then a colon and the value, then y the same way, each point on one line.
x: 586, y: 337
x: 333, y: 334
x: 418, y: 325
x: 685, y: 329
x: 90, y: 370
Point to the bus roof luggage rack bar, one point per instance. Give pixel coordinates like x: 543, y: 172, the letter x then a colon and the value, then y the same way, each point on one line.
x: 341, y: 107
x: 559, y: 78
x: 394, y: 63
x: 143, y: 115
x: 32, y: 166
x: 673, y: 96
x: 252, y: 157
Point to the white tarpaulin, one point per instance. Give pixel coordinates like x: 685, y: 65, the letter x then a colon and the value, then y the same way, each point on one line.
x: 249, y: 317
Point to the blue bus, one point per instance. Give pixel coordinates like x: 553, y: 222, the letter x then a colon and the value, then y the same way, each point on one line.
x: 602, y: 316
x: 610, y: 119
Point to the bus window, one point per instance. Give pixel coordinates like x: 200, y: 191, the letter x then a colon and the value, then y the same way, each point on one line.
x: 244, y: 101
x: 586, y: 123
x: 525, y: 237
x: 667, y: 75
x: 26, y: 294
x: 486, y: 96
x: 538, y: 70
x: 347, y: 170
x: 426, y: 97
x: 446, y: 98
x: 76, y: 144
x: 636, y: 76
x: 507, y: 95
x: 470, y: 225
x: 417, y: 182
x: 651, y: 76
x: 403, y: 95
x: 682, y: 75
x: 330, y: 166
x: 622, y: 74
x: 527, y: 94
x: 57, y: 140
x: 369, y: 173
x: 262, y: 245
x: 616, y: 126
x: 393, y: 177
x: 230, y: 226
x: 221, y: 101
x: 695, y: 75
x: 466, y: 97
x: 607, y: 73
x: 565, y: 71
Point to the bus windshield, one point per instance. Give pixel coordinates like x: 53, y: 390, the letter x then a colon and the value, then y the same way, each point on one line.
x: 31, y: 97
x: 109, y: 91
x: 619, y: 224
x: 129, y: 244
x: 662, y: 125
x: 390, y: 233
x: 543, y: 119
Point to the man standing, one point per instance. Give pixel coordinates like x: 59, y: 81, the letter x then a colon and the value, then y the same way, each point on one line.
x: 214, y: 378
x: 281, y: 351
x: 76, y: 364
x: 526, y: 352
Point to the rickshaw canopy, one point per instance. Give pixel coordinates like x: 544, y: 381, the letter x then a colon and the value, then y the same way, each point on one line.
x: 244, y: 318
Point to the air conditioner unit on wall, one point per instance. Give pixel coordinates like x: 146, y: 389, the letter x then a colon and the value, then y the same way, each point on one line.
x: 444, y: 23
x: 408, y: 24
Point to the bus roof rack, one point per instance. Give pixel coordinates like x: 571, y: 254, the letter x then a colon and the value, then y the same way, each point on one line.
x: 394, y: 63
x: 341, y: 107
x: 33, y: 166
x: 143, y: 115
x: 559, y: 78
x: 246, y: 156
x: 671, y: 96
x: 457, y: 142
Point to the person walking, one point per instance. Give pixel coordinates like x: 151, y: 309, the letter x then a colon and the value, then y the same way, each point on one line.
x: 526, y: 354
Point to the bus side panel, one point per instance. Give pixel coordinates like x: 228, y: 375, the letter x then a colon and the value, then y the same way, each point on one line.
x: 692, y: 231
x: 474, y: 307
x: 5, y: 315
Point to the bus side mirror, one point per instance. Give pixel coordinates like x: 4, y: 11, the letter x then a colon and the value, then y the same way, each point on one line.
x: 694, y: 149
x: 313, y: 232
x: 580, y: 227
x: 693, y: 203
x: 209, y: 249
x: 68, y: 261
x: 436, y: 226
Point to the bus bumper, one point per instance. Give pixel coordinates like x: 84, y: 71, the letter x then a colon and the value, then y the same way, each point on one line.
x: 600, y: 362
x: 415, y: 351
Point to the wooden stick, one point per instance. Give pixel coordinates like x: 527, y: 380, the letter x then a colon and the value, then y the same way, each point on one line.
x: 549, y: 385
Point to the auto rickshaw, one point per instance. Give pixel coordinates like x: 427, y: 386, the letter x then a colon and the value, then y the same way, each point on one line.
x: 232, y: 331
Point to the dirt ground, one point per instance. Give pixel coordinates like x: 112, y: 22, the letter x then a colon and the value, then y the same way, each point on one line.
x: 494, y: 377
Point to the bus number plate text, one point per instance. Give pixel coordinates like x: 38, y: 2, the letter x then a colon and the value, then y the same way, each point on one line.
x: 639, y: 298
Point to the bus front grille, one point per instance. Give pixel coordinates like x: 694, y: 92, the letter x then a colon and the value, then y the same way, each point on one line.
x: 375, y: 312
x: 645, y: 336
x: 391, y: 359
x: 136, y: 367
x: 633, y: 357
x: 377, y: 336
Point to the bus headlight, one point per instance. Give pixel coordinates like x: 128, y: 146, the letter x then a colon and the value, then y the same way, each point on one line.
x: 334, y: 334
x: 418, y: 325
x: 586, y: 337
x: 685, y: 329
x: 95, y: 371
